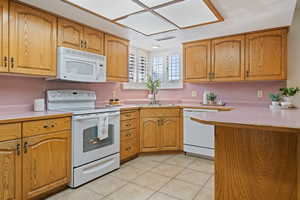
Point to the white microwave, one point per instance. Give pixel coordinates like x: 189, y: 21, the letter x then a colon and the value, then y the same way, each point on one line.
x: 80, y: 66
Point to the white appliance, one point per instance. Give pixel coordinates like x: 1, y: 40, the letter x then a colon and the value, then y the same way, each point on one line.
x: 92, y: 156
x: 80, y: 66
x: 198, y: 137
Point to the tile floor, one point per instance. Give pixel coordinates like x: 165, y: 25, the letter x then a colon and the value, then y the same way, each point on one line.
x: 151, y: 177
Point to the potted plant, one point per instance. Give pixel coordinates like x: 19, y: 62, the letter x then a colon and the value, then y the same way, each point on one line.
x: 276, y: 98
x: 211, y: 97
x: 152, y: 85
x: 289, y: 93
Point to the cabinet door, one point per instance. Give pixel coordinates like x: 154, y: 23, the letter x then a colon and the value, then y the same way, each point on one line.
x: 3, y: 36
x: 32, y: 41
x: 197, y: 61
x: 149, y: 134
x: 94, y: 41
x: 228, y: 60
x: 10, y: 170
x: 116, y: 51
x: 266, y: 55
x: 70, y: 34
x: 169, y: 133
x: 46, y: 163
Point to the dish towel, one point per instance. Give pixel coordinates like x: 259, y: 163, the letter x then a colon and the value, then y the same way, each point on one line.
x: 102, y: 127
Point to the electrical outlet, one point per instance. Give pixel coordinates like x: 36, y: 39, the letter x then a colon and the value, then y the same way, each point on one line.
x: 194, y: 93
x: 260, y: 93
x: 114, y: 94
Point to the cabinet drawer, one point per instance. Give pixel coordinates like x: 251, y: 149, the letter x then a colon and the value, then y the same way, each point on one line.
x: 10, y: 131
x: 128, y: 115
x: 128, y: 148
x: 46, y: 126
x: 128, y: 124
x: 162, y: 112
x: 128, y: 134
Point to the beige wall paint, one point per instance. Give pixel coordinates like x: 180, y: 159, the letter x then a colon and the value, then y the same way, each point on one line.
x: 294, y: 55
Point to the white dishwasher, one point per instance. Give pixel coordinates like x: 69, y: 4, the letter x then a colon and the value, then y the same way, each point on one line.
x: 198, y: 137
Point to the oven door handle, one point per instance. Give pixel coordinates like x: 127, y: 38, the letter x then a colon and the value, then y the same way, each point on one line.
x: 86, y: 118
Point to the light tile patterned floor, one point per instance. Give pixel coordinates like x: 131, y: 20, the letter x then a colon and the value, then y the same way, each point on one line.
x: 151, y: 177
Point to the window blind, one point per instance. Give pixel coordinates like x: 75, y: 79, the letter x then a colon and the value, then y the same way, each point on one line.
x: 173, y: 67
x: 132, y: 67
x: 157, y: 70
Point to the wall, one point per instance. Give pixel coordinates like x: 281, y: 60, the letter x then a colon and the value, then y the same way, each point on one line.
x: 17, y: 93
x: 294, y: 55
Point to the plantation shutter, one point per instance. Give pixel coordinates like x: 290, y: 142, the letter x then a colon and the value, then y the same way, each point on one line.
x: 132, y: 67
x: 158, y: 64
x: 173, y: 67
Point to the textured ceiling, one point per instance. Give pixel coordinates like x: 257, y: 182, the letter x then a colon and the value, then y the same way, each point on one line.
x: 240, y: 16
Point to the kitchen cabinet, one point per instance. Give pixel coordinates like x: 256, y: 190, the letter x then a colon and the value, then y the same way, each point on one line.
x: 10, y: 170
x: 260, y: 56
x: 76, y: 36
x: 266, y: 55
x: 197, y: 61
x: 116, y: 51
x: 228, y: 58
x: 32, y: 41
x: 70, y: 34
x: 41, y: 157
x: 4, y: 36
x: 129, y: 134
x: 93, y: 40
x: 29, y: 164
x: 160, y: 129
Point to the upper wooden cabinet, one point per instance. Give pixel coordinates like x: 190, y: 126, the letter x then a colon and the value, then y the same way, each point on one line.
x: 228, y: 60
x: 94, y: 40
x: 197, y: 61
x: 4, y: 36
x: 266, y: 55
x: 33, y: 41
x: 255, y: 56
x: 70, y: 34
x: 116, y: 51
x: 76, y: 36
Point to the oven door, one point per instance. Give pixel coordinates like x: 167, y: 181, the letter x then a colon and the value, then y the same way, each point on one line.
x: 86, y: 146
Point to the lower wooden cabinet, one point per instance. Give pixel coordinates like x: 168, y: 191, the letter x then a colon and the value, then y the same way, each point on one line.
x: 129, y: 134
x: 160, y: 130
x: 10, y: 170
x: 32, y: 166
x: 46, y: 163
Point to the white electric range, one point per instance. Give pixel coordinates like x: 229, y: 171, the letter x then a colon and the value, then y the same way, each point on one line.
x: 92, y: 156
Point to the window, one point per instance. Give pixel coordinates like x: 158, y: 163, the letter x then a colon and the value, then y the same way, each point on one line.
x: 165, y: 66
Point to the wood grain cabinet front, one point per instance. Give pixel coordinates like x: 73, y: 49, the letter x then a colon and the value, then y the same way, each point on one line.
x: 228, y: 58
x: 46, y: 163
x: 10, y: 170
x: 4, y: 36
x: 266, y: 55
x: 33, y: 40
x: 160, y: 132
x: 116, y: 51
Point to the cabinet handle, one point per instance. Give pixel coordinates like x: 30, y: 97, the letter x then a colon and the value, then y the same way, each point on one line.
x: 127, y: 115
x: 81, y: 44
x: 45, y: 126
x: 247, y: 73
x: 128, y: 148
x: 18, y: 149
x: 85, y: 44
x: 12, y: 64
x: 159, y: 122
x: 25, y: 147
x: 5, y: 61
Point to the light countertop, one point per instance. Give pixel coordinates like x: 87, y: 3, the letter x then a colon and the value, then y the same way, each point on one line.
x: 251, y: 116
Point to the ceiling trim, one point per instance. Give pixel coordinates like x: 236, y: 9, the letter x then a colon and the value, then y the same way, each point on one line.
x: 208, y: 3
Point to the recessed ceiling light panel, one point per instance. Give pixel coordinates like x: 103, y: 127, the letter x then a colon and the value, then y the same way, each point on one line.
x: 110, y: 9
x: 147, y: 23
x: 188, y: 13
